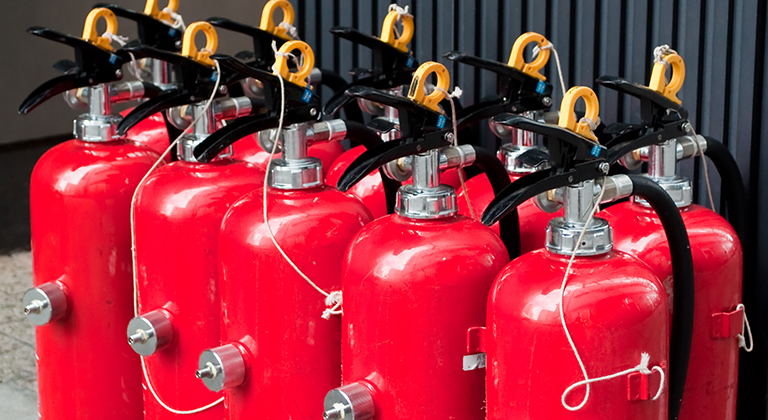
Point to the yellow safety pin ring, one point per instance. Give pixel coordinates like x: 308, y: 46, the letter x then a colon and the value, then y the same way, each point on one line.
x: 658, y: 79
x: 281, y: 62
x: 189, y: 49
x: 151, y: 9
x: 388, y: 30
x: 568, y: 116
x: 517, y: 61
x: 416, y: 90
x: 89, y: 30
x: 267, y: 18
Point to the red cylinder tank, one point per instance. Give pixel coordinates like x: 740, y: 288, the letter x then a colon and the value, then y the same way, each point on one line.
x: 289, y: 355
x: 80, y: 196
x: 150, y: 132
x: 411, y: 290
x: 615, y: 309
x: 178, y: 213
x: 710, y: 391
x: 533, y: 221
x: 248, y: 150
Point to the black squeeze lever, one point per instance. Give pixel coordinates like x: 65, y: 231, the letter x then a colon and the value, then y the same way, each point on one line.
x: 574, y: 159
x: 262, y: 56
x: 393, y: 64
x: 152, y: 32
x: 93, y: 66
x: 301, y: 105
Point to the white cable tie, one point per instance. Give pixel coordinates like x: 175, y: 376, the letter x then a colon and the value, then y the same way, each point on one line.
x: 133, y: 249
x: 745, y: 326
x: 593, y: 124
x: 551, y: 46
x: 658, y: 56
x: 290, y: 29
x: 178, y: 21
x: 335, y: 309
x: 401, y: 11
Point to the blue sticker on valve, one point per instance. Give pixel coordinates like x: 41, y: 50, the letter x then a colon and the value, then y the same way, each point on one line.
x: 112, y: 59
x: 172, y: 32
x: 540, y: 87
x: 440, y: 122
x: 595, y: 151
x: 409, y: 63
x: 307, y: 96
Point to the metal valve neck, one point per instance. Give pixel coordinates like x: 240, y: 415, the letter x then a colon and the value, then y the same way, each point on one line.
x: 426, y: 198
x: 99, y: 124
x: 294, y: 170
x: 662, y: 162
x: 521, y: 141
x: 563, y: 232
x: 162, y: 73
x: 205, y: 126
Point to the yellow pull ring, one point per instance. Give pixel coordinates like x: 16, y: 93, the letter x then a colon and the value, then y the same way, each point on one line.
x: 416, y: 91
x: 568, y: 117
x: 189, y: 49
x: 267, y: 14
x: 517, y: 61
x: 89, y: 30
x: 388, y: 30
x: 658, y: 80
x: 151, y: 9
x: 281, y: 62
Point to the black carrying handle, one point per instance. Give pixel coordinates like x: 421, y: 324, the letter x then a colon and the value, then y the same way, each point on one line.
x: 167, y: 99
x: 683, y: 286
x: 151, y: 31
x: 644, y: 93
x: 263, y: 56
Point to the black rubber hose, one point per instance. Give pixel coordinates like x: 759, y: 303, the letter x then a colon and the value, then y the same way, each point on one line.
x: 683, y: 289
x: 337, y: 83
x: 733, y: 185
x: 509, y: 226
x: 358, y: 132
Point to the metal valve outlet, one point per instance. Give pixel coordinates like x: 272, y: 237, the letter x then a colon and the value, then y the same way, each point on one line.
x: 349, y: 402
x: 150, y: 332
x: 45, y: 303
x: 221, y: 367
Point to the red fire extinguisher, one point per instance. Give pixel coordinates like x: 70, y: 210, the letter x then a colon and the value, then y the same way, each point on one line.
x: 415, y: 280
x: 80, y: 195
x: 160, y: 29
x: 392, y: 68
x: 177, y: 212
x: 280, y: 254
x: 262, y: 57
x: 579, y: 329
x: 524, y: 92
x: 710, y: 391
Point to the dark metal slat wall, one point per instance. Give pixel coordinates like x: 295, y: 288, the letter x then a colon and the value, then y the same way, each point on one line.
x: 723, y: 44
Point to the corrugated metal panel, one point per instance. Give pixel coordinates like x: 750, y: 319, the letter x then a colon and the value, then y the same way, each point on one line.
x: 723, y: 43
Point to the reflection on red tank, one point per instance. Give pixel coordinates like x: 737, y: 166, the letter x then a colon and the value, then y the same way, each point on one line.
x: 248, y: 150
x: 150, y: 132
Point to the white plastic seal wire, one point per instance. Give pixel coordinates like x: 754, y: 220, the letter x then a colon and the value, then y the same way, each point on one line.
x: 291, y: 30
x: 658, y: 57
x: 745, y: 326
x: 178, y: 21
x: 122, y: 40
x: 551, y: 46
x: 401, y: 11
x: 333, y: 299
x: 133, y: 250
x: 644, y: 357
x: 457, y: 94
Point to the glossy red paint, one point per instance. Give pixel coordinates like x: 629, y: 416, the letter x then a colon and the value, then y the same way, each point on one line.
x: 248, y: 149
x: 533, y: 221
x: 615, y: 308
x: 80, y: 195
x: 150, y: 132
x: 178, y: 213
x: 271, y: 314
x: 710, y: 391
x: 370, y: 190
x: 411, y: 291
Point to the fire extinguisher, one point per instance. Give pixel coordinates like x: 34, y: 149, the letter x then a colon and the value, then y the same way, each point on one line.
x: 523, y: 91
x: 710, y: 391
x: 392, y: 68
x: 415, y: 280
x: 160, y: 29
x: 80, y: 194
x: 262, y: 57
x: 176, y: 215
x: 579, y: 326
x: 280, y: 254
